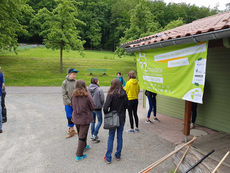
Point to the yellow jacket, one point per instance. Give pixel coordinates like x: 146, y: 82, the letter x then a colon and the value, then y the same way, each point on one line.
x: 132, y: 89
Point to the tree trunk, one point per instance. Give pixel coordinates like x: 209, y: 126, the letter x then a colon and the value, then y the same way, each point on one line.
x: 61, y: 64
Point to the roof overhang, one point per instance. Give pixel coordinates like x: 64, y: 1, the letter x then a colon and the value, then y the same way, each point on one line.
x: 213, y: 35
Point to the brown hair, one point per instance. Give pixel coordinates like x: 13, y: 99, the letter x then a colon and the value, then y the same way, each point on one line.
x: 132, y: 75
x: 94, y: 80
x: 81, y: 89
x: 116, y: 86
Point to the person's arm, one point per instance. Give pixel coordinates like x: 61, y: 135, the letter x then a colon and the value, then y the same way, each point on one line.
x: 138, y: 89
x: 65, y: 94
x: 127, y: 87
x: 3, y: 81
x: 107, y: 103
x: 91, y: 103
x: 123, y: 82
x: 102, y: 97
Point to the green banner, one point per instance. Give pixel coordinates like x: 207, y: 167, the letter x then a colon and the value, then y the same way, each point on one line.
x: 176, y: 71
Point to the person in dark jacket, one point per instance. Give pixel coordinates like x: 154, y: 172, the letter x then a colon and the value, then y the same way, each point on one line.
x: 83, y: 105
x: 1, y: 87
x: 98, y: 98
x: 152, y: 106
x: 116, y: 100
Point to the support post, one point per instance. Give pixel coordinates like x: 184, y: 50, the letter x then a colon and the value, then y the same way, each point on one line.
x: 187, y: 117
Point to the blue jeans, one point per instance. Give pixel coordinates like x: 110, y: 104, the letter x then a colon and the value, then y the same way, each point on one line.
x: 152, y: 106
x: 69, y: 111
x: 119, y: 143
x: 0, y: 112
x: 94, y: 131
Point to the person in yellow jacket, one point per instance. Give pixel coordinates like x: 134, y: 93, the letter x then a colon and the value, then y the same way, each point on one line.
x: 132, y: 89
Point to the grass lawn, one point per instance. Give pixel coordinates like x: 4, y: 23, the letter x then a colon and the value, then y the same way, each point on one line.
x: 41, y: 67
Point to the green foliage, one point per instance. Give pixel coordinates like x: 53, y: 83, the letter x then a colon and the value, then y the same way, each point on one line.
x: 10, y: 14
x: 174, y: 24
x: 59, y: 28
x: 108, y: 22
x: 138, y: 26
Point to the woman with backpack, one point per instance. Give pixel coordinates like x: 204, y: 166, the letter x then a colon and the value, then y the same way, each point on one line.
x: 116, y: 101
x: 98, y: 98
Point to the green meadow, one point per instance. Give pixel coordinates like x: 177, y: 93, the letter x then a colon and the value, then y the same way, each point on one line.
x: 41, y: 67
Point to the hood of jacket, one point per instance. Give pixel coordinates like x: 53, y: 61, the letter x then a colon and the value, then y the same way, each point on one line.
x: 133, y: 81
x: 92, y: 88
x: 67, y: 77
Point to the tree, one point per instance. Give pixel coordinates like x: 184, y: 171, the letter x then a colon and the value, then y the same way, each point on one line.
x: 10, y: 15
x: 174, y: 24
x: 60, y: 29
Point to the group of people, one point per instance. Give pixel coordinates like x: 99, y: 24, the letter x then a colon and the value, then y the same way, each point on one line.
x: 83, y: 106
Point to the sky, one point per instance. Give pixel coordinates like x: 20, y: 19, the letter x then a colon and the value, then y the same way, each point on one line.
x: 206, y: 3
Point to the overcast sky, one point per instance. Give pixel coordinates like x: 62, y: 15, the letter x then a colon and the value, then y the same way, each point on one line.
x: 206, y: 3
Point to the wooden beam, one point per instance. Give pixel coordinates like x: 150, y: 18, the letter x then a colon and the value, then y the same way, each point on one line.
x: 150, y: 167
x: 187, y: 117
x: 222, y: 160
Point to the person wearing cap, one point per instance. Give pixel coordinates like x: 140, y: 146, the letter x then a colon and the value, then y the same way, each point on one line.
x: 68, y: 87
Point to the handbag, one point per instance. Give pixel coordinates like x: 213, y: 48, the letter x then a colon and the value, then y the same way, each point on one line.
x: 111, y: 120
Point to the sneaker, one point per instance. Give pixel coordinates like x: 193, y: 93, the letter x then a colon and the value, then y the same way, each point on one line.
x: 95, y: 139
x: 106, y: 161
x: 192, y: 125
x: 137, y: 130
x: 118, y: 159
x: 131, y: 131
x: 86, y: 148
x: 156, y: 119
x: 78, y: 158
x: 148, y: 121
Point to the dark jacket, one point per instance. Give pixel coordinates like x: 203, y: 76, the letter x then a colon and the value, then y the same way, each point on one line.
x: 150, y: 94
x: 97, y: 94
x: 1, y: 82
x: 118, y: 102
x: 82, y: 107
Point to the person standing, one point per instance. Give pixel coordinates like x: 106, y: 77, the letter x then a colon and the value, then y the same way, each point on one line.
x: 116, y: 100
x: 194, y: 114
x: 152, y: 106
x: 132, y: 89
x: 120, y: 77
x: 68, y: 86
x: 83, y: 106
x: 98, y: 98
x: 2, y: 85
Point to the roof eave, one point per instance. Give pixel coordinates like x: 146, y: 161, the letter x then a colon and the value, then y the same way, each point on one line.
x: 184, y: 40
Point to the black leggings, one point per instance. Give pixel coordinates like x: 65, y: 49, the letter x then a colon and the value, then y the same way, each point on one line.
x: 132, y: 109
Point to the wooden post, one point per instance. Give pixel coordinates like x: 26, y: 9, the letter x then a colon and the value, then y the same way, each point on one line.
x: 187, y: 117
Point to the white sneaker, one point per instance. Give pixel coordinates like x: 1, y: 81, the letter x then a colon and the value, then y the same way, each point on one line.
x: 192, y: 125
